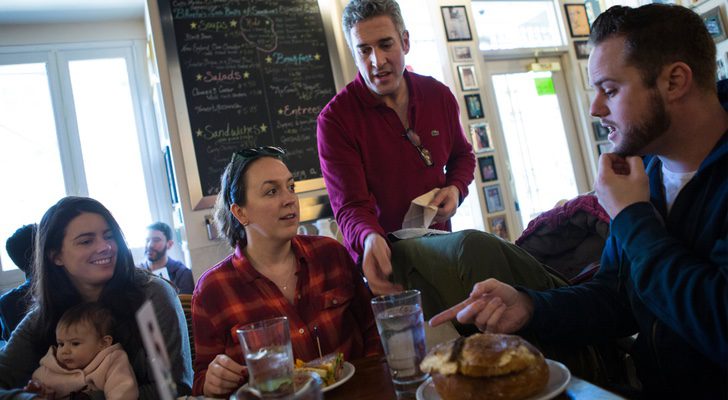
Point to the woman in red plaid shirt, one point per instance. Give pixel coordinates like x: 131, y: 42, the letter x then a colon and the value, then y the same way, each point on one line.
x: 273, y: 272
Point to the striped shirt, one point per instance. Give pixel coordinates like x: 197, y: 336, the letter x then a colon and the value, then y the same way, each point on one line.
x: 331, y: 301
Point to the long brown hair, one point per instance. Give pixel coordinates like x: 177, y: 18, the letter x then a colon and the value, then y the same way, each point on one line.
x: 53, y: 291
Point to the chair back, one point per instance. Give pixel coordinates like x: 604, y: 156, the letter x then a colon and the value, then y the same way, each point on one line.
x: 186, y: 301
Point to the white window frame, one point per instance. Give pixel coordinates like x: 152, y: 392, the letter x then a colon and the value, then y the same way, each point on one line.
x: 56, y: 57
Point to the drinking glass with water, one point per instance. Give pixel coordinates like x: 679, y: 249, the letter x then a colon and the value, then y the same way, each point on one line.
x: 401, y: 328
x: 269, y: 357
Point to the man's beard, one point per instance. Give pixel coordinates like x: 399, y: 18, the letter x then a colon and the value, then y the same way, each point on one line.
x: 635, y: 138
x: 154, y: 255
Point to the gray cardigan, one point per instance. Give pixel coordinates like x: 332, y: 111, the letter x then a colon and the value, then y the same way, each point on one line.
x: 19, y: 358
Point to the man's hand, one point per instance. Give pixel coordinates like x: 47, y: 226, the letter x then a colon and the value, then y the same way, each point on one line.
x: 446, y: 200
x: 493, y: 306
x: 223, y: 376
x: 377, y: 265
x: 621, y: 182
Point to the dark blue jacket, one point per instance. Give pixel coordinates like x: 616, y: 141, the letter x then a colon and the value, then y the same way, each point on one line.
x: 13, y: 307
x: 664, y: 276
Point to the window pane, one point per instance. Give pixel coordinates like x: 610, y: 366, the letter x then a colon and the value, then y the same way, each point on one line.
x: 109, y: 142
x: 516, y: 24
x: 423, y: 55
x: 536, y: 141
x: 29, y: 156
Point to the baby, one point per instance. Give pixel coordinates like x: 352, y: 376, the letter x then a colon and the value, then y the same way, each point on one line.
x: 85, y: 360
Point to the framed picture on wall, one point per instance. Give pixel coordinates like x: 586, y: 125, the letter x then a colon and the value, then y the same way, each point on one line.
x: 722, y: 71
x: 714, y: 22
x: 474, y: 106
x: 456, y: 23
x: 600, y: 133
x: 461, y: 53
x: 577, y: 19
x: 581, y: 48
x: 493, y: 199
x: 468, y: 79
x: 499, y: 227
x: 584, y: 67
x: 488, y: 172
x: 480, y: 135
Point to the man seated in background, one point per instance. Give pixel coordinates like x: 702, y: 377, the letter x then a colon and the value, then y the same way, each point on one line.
x: 664, y: 270
x: 159, y: 240
x: 14, y: 304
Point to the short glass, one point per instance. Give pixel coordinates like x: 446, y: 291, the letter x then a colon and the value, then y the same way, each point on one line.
x: 269, y: 357
x: 402, y: 331
x: 308, y: 387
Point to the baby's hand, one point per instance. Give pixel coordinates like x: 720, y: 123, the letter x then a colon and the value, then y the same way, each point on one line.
x: 34, y: 386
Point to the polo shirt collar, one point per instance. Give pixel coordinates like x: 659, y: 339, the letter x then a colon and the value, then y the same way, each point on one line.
x: 249, y: 274
x: 371, y: 100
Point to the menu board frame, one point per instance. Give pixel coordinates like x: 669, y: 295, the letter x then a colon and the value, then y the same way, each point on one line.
x: 170, y: 64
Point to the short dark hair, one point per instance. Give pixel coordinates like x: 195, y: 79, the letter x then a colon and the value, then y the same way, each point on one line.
x: 658, y: 34
x: 92, y: 313
x: 20, y: 247
x: 162, y: 227
x: 360, y: 10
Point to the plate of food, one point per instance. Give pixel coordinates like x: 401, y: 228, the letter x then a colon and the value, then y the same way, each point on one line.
x: 490, y: 363
x: 332, y: 369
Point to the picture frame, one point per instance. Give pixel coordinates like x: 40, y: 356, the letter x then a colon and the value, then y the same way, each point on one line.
x: 456, y: 23
x: 493, y: 199
x: 714, y: 23
x: 603, y: 148
x: 593, y: 9
x: 577, y: 19
x: 468, y: 77
x: 582, y: 49
x: 488, y: 172
x: 600, y: 133
x: 474, y: 106
x: 480, y: 135
x: 461, y: 53
x: 498, y: 226
x: 584, y: 68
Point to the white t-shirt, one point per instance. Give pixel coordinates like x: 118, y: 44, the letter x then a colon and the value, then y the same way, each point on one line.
x: 672, y: 184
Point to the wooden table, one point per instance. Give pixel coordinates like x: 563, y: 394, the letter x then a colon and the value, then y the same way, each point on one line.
x: 372, y: 381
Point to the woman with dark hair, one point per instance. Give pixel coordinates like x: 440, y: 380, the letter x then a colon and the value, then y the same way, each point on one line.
x: 81, y: 256
x: 273, y: 272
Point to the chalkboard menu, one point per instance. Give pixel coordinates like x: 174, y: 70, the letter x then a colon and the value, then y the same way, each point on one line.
x: 255, y: 72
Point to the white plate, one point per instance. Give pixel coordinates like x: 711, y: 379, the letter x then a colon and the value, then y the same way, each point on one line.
x: 559, y: 377
x: 346, y: 374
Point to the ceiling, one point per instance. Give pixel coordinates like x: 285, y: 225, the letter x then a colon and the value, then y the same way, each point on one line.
x: 59, y: 11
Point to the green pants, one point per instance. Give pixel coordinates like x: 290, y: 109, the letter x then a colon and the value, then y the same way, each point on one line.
x: 445, y: 267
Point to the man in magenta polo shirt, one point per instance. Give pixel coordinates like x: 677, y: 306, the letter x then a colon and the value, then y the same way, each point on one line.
x: 389, y: 136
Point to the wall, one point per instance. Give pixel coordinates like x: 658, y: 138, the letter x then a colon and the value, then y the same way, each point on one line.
x: 33, y: 34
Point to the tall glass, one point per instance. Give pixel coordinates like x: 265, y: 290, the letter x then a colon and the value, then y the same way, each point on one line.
x: 402, y: 330
x: 269, y: 357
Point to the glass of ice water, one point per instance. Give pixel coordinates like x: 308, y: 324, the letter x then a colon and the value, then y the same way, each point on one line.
x: 402, y: 330
x: 269, y: 357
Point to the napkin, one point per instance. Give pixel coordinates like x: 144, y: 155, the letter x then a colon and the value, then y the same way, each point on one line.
x: 420, y: 215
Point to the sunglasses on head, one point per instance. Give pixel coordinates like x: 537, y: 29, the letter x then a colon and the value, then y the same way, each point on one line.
x: 253, y: 152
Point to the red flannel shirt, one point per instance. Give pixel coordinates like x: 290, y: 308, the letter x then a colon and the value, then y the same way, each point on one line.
x: 330, y: 295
